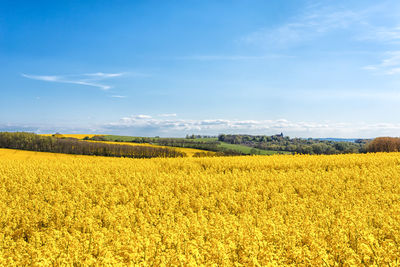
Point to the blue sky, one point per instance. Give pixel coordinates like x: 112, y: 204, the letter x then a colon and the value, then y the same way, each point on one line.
x: 171, y: 68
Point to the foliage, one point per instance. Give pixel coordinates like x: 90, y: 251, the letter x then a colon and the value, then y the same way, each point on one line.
x: 236, y: 144
x: 294, y: 145
x: 208, y: 144
x: 65, y: 210
x: 188, y: 151
x: 95, y: 138
x: 248, y: 150
x: 34, y: 142
x: 384, y: 144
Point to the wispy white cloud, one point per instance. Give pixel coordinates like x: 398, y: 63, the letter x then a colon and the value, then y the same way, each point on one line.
x: 136, y: 117
x: 104, y: 75
x: 42, y: 77
x: 394, y: 71
x: 317, y: 20
x: 381, y: 34
x: 118, y: 96
x: 88, y: 79
x: 390, y: 65
x: 167, y: 115
x: 314, y: 22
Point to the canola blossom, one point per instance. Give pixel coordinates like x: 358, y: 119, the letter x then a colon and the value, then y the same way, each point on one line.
x: 223, y: 211
x: 77, y: 136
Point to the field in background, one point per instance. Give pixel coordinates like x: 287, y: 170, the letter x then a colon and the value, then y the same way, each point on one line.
x: 284, y: 209
x: 132, y: 140
x: 15, y: 154
x: 234, y: 147
x: 77, y: 136
x: 249, y: 150
x: 189, y: 151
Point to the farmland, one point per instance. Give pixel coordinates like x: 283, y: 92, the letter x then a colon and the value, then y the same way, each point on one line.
x: 251, y: 210
x: 188, y: 151
x: 77, y: 136
x: 249, y: 150
x: 126, y: 141
x: 210, y: 144
x: 241, y: 144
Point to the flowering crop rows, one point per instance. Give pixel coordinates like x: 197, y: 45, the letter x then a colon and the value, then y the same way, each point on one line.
x: 250, y: 211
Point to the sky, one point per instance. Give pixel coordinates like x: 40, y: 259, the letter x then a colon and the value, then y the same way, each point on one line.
x: 171, y: 68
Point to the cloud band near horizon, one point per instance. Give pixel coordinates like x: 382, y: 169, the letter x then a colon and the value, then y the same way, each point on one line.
x: 146, y: 125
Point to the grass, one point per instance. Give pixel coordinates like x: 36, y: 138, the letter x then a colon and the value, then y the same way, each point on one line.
x: 249, y: 150
x: 204, y: 140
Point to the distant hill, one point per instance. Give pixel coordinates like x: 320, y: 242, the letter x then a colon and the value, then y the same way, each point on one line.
x: 242, y: 144
x: 338, y: 139
x: 279, y: 142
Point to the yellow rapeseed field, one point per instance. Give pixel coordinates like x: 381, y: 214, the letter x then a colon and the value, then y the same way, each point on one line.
x: 223, y: 211
x: 77, y: 136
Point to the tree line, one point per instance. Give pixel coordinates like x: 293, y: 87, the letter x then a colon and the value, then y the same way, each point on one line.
x: 295, y: 145
x: 384, y: 144
x: 34, y: 142
x: 207, y: 145
x: 278, y: 143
